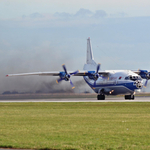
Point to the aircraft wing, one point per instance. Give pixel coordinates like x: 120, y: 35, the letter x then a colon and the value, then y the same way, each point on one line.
x: 35, y: 73
x: 136, y: 71
x: 86, y: 73
x: 64, y: 75
x: 56, y: 73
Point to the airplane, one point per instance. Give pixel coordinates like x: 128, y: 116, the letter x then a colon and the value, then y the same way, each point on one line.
x: 103, y: 82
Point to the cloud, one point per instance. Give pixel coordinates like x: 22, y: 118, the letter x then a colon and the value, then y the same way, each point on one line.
x: 99, y: 14
x: 83, y: 13
x: 36, y: 15
x: 62, y: 15
x: 83, y: 17
x: 33, y: 16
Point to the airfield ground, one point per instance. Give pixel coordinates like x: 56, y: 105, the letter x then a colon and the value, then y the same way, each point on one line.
x: 61, y: 96
x: 46, y: 96
x: 71, y: 126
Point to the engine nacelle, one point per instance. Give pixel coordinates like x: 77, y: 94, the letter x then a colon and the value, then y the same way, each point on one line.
x: 144, y: 74
x: 64, y: 76
x: 148, y: 75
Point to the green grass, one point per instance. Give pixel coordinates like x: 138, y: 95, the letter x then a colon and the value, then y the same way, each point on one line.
x: 80, y: 126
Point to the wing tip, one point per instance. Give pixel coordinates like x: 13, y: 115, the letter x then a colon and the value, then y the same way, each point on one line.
x: 7, y: 75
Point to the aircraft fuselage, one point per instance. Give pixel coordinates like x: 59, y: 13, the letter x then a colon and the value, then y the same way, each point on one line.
x: 117, y: 82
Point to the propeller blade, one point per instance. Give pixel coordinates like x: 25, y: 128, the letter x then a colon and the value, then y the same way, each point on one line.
x: 65, y: 69
x: 98, y: 66
x: 95, y: 82
x: 145, y: 85
x: 72, y: 84
x: 59, y: 80
x: 96, y: 75
x: 74, y: 72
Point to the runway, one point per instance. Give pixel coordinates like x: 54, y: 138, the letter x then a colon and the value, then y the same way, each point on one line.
x: 115, y: 99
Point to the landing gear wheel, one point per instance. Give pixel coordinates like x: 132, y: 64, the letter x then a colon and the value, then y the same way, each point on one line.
x: 100, y: 97
x: 129, y: 97
x: 132, y: 97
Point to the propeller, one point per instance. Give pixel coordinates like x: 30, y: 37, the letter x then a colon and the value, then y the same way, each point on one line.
x: 96, y: 75
x: 147, y: 78
x: 145, y: 85
x: 145, y: 75
x: 57, y: 81
x: 66, y: 76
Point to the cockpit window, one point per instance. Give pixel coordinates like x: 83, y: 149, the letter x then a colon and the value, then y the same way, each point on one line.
x: 127, y: 78
x: 133, y: 78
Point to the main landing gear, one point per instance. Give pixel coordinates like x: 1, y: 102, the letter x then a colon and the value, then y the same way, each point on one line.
x: 100, y: 97
x: 129, y: 97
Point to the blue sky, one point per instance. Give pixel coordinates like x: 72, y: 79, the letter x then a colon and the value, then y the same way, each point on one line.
x: 42, y: 35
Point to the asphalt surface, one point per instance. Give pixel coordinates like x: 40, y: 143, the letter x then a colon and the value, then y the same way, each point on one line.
x: 115, y: 99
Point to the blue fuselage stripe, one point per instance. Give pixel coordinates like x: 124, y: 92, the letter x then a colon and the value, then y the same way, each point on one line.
x: 129, y: 86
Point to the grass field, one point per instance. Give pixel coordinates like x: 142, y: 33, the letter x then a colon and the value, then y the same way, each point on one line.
x: 80, y: 126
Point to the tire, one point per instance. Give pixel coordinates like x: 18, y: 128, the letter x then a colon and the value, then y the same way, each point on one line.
x: 132, y: 97
x: 100, y: 97
x: 129, y: 97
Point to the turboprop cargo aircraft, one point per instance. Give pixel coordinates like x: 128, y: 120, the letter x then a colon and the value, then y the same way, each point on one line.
x: 103, y: 82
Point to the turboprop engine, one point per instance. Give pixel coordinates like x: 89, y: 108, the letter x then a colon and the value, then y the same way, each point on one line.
x: 145, y: 75
x: 64, y: 75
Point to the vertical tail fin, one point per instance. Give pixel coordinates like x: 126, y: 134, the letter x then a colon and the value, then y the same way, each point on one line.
x: 89, y: 55
x: 90, y: 63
